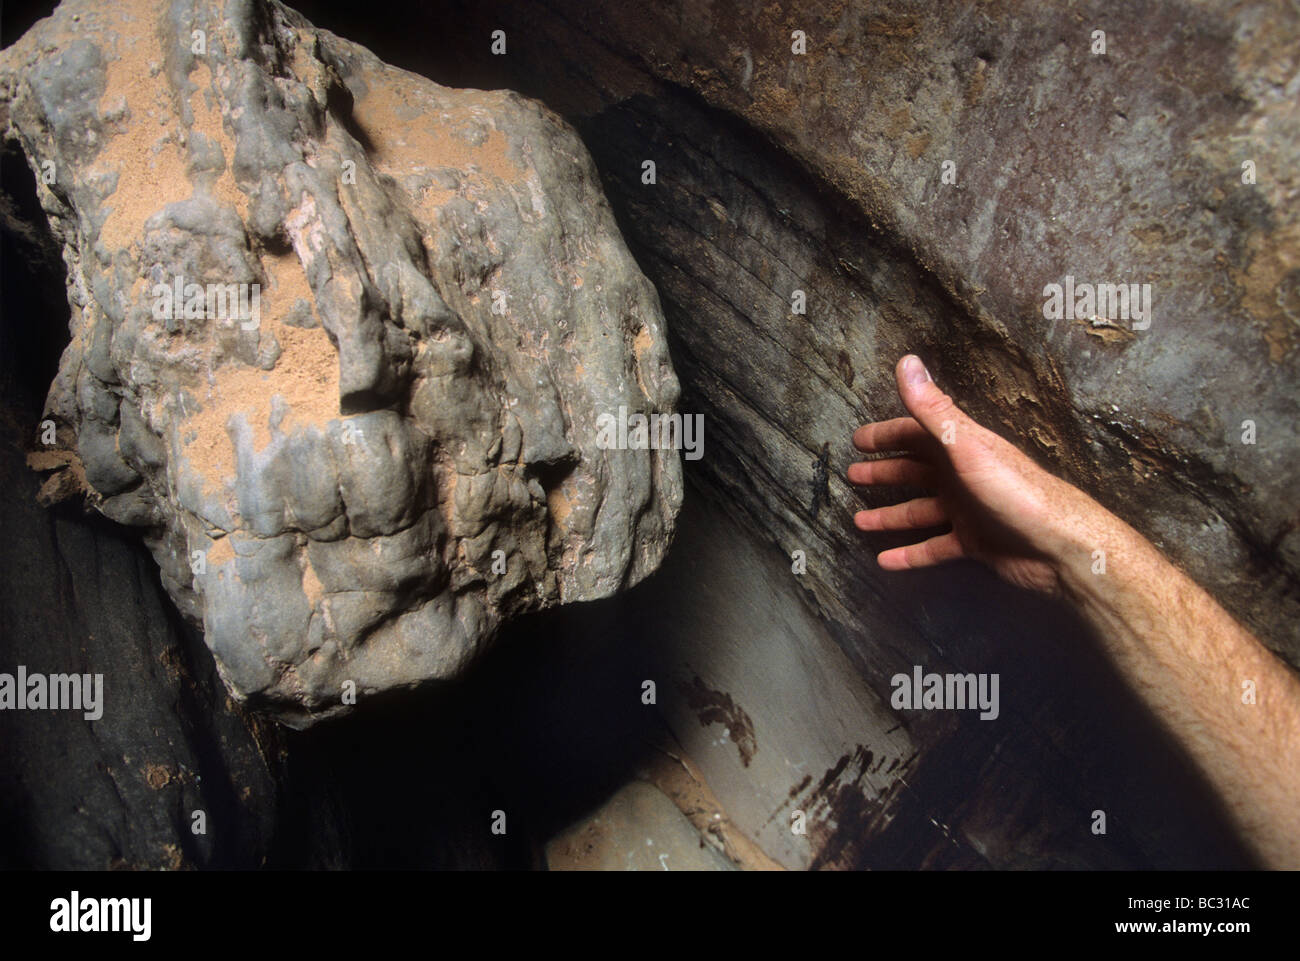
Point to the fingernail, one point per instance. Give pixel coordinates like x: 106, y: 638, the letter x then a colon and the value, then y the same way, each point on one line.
x: 914, y: 371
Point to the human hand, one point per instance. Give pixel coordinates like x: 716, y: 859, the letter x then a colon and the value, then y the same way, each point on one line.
x: 1001, y: 507
x: 1181, y: 651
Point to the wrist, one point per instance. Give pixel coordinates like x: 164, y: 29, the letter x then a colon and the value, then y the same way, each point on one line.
x: 1088, y: 546
x: 1119, y: 583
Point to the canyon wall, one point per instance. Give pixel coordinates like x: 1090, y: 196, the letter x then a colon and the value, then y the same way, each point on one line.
x: 914, y: 179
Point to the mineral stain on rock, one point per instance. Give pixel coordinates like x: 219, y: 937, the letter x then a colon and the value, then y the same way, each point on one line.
x: 304, y: 377
x: 821, y: 492
x: 716, y: 707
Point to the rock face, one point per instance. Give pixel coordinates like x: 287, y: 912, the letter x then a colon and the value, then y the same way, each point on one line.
x: 920, y: 175
x: 824, y: 172
x: 342, y: 342
x: 121, y: 791
x: 927, y: 208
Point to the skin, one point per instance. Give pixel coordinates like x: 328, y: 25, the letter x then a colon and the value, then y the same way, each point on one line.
x: 1183, y: 654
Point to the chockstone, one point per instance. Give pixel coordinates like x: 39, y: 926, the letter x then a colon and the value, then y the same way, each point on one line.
x: 355, y: 491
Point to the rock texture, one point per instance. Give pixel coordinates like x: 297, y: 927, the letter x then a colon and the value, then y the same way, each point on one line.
x: 824, y: 172
x: 122, y: 791
x: 352, y: 483
x: 821, y: 172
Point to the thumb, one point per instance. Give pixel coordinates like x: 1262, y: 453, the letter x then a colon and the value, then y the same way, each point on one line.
x: 931, y: 407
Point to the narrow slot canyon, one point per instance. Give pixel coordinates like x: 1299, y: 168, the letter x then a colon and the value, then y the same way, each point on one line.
x: 680, y: 663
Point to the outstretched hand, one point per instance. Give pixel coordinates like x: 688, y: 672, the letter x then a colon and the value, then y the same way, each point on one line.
x: 1183, y: 653
x: 1001, y: 507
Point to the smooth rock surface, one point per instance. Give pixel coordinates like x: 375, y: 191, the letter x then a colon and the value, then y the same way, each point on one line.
x: 638, y: 829
x: 824, y: 173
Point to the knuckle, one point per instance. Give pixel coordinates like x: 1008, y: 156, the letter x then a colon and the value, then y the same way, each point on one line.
x: 938, y: 403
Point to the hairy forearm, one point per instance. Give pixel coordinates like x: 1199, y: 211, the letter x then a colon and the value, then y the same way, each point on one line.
x: 1190, y: 661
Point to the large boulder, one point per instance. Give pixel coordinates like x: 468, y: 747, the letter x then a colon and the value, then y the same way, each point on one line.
x: 343, y: 343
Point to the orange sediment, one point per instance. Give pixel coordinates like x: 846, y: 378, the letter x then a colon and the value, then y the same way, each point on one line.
x: 305, y: 376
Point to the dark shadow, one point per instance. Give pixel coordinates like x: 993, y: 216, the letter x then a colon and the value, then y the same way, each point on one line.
x: 17, y: 17
x: 543, y: 728
x: 34, y: 308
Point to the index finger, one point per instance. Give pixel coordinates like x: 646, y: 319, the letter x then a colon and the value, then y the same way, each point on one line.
x: 901, y: 433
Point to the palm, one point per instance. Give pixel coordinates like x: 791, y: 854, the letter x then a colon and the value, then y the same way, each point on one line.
x: 982, y: 498
x: 988, y: 493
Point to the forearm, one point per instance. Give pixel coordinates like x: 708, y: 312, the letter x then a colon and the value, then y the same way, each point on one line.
x: 1190, y: 661
x: 1233, y: 705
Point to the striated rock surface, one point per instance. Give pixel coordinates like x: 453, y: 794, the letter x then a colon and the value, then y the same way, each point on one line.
x: 922, y: 177
x: 391, y: 445
x: 824, y: 172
